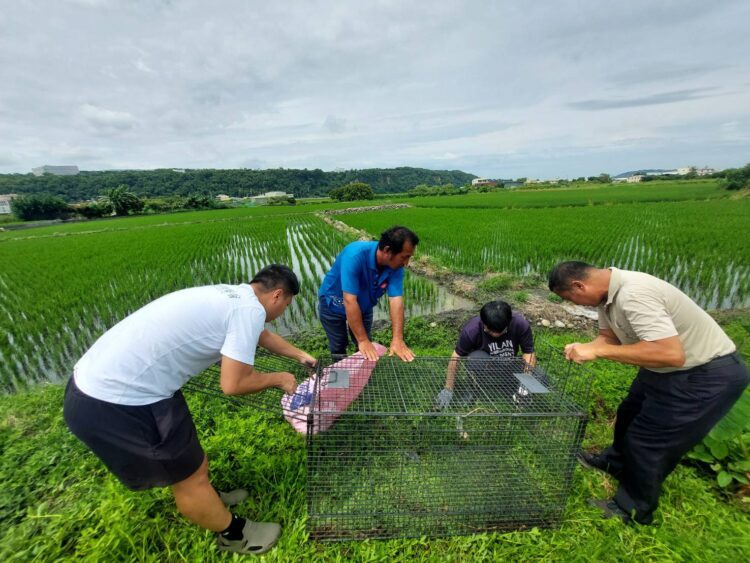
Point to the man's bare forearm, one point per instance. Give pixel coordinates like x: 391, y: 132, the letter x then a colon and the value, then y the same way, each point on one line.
x: 397, y: 317
x: 450, y: 378
x: 354, y: 318
x: 644, y: 354
x: 278, y: 345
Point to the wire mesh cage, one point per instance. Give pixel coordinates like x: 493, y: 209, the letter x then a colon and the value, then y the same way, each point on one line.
x: 208, y: 382
x: 385, y: 461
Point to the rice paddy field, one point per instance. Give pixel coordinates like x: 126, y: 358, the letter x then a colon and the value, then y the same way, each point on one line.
x: 63, y: 285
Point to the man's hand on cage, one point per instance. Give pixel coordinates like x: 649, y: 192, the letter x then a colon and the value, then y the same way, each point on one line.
x: 307, y: 360
x: 368, y: 350
x: 580, y: 353
x: 444, y: 398
x: 400, y: 349
x: 287, y: 382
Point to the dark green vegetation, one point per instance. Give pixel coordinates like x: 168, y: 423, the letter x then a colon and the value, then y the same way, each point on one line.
x: 39, y: 206
x: 239, y: 183
x: 352, y: 192
x: 59, y: 502
x: 737, y: 178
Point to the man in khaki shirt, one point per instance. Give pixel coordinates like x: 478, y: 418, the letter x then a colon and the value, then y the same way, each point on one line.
x: 690, y: 376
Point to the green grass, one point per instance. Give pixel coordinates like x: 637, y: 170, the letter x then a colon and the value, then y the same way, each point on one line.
x: 58, y: 502
x: 186, y: 217
x: 581, y: 195
x: 702, y: 247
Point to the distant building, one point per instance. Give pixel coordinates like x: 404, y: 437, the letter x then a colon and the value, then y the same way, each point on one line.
x: 635, y: 178
x: 532, y: 181
x: 55, y: 170
x: 483, y: 182
x: 269, y: 196
x: 224, y: 197
x: 5, y: 203
x: 684, y: 171
x: 705, y: 171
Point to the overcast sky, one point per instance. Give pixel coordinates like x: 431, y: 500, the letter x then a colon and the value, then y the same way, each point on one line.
x: 500, y: 89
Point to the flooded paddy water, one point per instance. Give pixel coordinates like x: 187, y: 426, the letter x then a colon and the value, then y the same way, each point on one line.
x: 59, y: 294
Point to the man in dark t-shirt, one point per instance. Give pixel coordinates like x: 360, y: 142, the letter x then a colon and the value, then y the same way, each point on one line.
x: 497, y: 332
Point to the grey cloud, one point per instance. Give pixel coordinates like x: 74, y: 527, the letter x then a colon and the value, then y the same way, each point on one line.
x: 106, y: 121
x: 481, y: 86
x: 654, y: 99
x: 335, y: 124
x: 664, y: 72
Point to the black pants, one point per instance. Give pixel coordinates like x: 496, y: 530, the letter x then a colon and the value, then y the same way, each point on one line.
x: 661, y: 419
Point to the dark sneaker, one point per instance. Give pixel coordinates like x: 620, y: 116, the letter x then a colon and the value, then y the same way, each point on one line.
x: 257, y: 538
x: 594, y: 461
x: 231, y: 498
x: 610, y: 509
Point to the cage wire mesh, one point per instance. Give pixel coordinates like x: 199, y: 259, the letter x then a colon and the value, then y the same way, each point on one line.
x: 208, y: 383
x: 384, y: 461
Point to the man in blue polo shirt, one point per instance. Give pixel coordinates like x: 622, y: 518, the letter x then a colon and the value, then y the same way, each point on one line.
x: 360, y: 275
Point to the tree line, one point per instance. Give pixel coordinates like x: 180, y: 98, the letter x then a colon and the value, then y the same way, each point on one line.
x: 235, y: 183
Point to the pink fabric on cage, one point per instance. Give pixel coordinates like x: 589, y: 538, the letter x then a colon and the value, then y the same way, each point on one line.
x: 334, y: 399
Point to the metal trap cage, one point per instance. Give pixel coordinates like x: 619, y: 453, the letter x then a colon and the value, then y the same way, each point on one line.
x: 384, y: 461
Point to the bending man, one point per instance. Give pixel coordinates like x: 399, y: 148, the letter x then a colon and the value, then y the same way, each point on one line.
x: 131, y: 377
x: 359, y: 276
x: 690, y: 376
x: 497, y: 332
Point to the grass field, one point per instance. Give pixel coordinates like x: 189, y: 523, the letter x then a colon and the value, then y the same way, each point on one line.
x: 58, y: 502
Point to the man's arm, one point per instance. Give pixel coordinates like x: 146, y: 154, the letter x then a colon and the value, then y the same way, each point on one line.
x: 667, y: 352
x: 354, y: 318
x: 238, y: 378
x: 450, y: 378
x: 398, y: 346
x: 445, y: 396
x: 529, y: 360
x: 277, y: 345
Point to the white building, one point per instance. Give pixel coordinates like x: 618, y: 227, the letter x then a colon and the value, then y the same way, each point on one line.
x: 5, y: 203
x: 55, y: 170
x: 635, y: 178
x: 268, y: 196
x: 483, y: 182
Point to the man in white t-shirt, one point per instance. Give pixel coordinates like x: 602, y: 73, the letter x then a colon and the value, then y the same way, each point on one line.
x: 690, y: 376
x: 131, y: 378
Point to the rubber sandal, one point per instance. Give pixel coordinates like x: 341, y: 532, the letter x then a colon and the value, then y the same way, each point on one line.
x: 231, y: 498
x: 257, y: 538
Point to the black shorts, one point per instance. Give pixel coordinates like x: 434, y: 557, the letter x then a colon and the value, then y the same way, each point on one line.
x: 144, y: 446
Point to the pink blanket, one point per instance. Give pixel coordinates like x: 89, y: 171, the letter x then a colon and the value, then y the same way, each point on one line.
x: 340, y: 384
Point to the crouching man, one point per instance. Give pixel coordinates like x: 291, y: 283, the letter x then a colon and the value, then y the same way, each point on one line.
x: 497, y: 333
x: 690, y: 376
x: 131, y: 378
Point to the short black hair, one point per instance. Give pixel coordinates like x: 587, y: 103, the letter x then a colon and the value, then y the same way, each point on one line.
x: 496, y: 315
x: 565, y: 273
x: 275, y: 276
x: 395, y: 237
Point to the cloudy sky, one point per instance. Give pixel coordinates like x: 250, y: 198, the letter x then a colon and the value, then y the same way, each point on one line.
x: 501, y: 89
